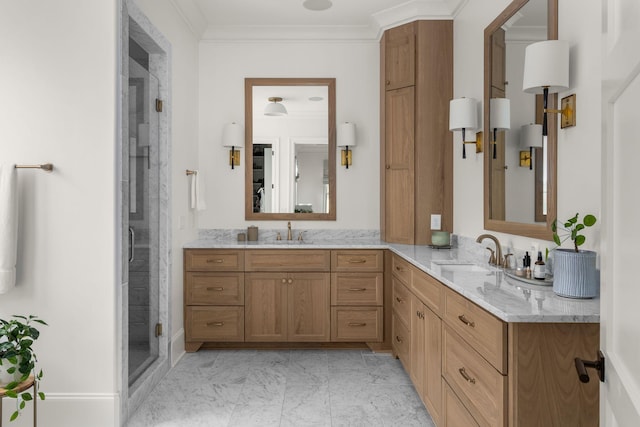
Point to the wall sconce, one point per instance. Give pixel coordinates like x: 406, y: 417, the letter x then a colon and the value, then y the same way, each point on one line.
x: 346, y: 138
x: 530, y: 137
x: 463, y: 115
x: 500, y: 117
x: 275, y: 108
x: 233, y: 136
x: 546, y: 70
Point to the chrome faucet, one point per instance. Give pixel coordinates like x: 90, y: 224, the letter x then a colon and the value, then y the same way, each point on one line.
x: 497, y: 259
x: 289, y: 234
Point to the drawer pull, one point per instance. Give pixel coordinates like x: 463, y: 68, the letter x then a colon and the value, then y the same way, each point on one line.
x: 211, y: 261
x: 400, y: 300
x: 466, y: 321
x: 466, y: 376
x: 398, y: 268
x: 357, y: 261
x: 357, y: 289
x: 215, y: 323
x: 217, y: 288
x: 398, y: 338
x: 354, y: 324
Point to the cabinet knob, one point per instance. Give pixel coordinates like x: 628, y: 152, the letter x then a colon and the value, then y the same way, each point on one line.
x: 388, y: 166
x: 290, y: 281
x: 284, y: 280
x: 388, y: 82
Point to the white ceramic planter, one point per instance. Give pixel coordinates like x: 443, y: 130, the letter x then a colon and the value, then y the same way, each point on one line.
x: 574, y: 274
x: 6, y: 378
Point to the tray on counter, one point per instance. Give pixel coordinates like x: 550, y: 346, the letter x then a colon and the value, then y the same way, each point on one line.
x: 548, y: 280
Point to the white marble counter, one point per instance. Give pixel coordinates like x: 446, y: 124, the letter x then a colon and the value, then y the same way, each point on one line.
x: 506, y: 298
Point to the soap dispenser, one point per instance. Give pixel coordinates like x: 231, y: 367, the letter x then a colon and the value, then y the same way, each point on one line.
x: 539, y: 268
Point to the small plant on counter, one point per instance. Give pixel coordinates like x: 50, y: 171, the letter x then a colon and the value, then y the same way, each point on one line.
x: 573, y: 227
x: 17, y: 358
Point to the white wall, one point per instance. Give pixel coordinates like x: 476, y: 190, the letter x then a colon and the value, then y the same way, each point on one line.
x: 184, y: 147
x: 579, y: 169
x: 355, y: 65
x: 58, y: 85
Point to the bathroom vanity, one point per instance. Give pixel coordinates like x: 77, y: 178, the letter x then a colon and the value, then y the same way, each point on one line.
x: 480, y: 348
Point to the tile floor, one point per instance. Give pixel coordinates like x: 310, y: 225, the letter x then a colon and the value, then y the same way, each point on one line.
x: 298, y: 388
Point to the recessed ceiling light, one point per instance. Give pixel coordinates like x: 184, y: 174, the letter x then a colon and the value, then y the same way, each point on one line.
x: 317, y: 4
x: 316, y: 98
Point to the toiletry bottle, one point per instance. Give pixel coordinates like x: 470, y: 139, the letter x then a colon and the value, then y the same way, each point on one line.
x: 527, y: 265
x: 539, y: 268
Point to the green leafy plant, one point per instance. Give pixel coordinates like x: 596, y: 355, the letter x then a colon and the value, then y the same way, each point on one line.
x: 17, y: 336
x: 573, y: 227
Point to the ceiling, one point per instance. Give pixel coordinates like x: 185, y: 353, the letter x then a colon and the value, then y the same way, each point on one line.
x: 288, y: 19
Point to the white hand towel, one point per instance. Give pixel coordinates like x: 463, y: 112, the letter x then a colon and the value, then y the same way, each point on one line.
x: 197, y: 192
x: 8, y: 227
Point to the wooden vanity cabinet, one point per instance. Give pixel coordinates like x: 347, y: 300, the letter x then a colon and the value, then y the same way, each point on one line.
x: 416, y: 154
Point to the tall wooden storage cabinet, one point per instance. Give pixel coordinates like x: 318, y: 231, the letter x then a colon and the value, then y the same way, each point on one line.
x: 416, y: 144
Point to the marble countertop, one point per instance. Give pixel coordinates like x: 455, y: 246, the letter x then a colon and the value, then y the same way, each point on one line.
x: 488, y: 287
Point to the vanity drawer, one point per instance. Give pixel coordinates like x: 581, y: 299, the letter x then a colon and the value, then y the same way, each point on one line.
x: 287, y: 260
x: 213, y: 260
x: 401, y: 269
x: 401, y: 301
x: 428, y: 290
x: 350, y: 260
x: 356, y: 324
x: 401, y: 342
x: 478, y: 385
x: 484, y: 332
x: 455, y: 414
x: 203, y: 288
x: 356, y: 288
x: 215, y: 323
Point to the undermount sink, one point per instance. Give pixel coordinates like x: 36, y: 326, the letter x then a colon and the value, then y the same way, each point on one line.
x: 460, y: 267
x: 292, y: 242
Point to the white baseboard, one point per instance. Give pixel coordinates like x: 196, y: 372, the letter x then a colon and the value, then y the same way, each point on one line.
x: 67, y: 410
x: 177, y: 347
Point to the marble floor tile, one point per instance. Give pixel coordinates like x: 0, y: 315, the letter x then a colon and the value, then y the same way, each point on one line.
x: 297, y: 388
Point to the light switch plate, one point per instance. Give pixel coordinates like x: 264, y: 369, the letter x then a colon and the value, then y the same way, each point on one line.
x: 436, y: 221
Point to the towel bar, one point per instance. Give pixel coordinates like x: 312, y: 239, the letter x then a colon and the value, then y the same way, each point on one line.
x: 45, y: 167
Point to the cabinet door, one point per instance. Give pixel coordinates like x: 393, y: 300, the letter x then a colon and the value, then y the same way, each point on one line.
x: 400, y: 47
x: 399, y: 168
x: 432, y: 382
x: 417, y: 344
x: 309, y: 307
x: 266, y: 306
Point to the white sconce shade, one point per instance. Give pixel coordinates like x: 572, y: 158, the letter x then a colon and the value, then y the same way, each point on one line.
x: 546, y: 64
x: 346, y: 138
x: 233, y: 135
x: 275, y: 108
x: 500, y: 111
x: 463, y: 114
x: 347, y: 134
x: 531, y: 136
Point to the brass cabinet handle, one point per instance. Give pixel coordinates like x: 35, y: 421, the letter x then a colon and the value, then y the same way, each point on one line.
x: 400, y: 300
x: 357, y: 261
x: 388, y: 166
x: 398, y: 338
x: 357, y: 289
x: 398, y: 268
x: 211, y: 261
x: 466, y: 321
x: 215, y: 323
x: 217, y: 288
x: 466, y: 376
x: 357, y: 324
x: 388, y: 82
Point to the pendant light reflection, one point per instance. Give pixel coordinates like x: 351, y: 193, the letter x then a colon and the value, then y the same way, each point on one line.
x: 275, y: 108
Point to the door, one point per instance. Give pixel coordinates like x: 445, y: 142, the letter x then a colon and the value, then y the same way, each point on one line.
x: 266, y: 306
x: 620, y: 318
x: 143, y: 217
x: 309, y: 307
x: 400, y: 54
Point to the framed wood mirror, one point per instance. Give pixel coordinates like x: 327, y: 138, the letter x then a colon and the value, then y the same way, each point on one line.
x: 518, y: 200
x: 290, y: 166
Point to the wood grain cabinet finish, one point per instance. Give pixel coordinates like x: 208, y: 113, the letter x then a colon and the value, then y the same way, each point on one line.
x: 213, y: 296
x: 454, y: 412
x: 416, y: 154
x: 287, y: 260
x: 357, y: 296
x: 401, y: 342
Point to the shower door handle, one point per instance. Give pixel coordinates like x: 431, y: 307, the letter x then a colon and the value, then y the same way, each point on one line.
x: 132, y: 242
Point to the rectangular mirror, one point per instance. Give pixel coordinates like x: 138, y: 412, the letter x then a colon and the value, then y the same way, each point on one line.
x: 518, y: 200
x: 290, y: 149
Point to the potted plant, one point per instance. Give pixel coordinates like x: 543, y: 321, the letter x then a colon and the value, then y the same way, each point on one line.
x: 574, y: 269
x: 18, y: 359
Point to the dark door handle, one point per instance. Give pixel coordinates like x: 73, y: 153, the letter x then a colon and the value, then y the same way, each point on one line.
x: 582, y: 365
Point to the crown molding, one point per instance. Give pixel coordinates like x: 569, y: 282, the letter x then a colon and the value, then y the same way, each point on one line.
x: 192, y: 15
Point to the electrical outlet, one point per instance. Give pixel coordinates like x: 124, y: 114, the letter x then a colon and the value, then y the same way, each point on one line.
x: 436, y: 221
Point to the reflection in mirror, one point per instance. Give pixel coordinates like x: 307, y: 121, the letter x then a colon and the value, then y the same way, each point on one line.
x: 290, y: 172
x: 518, y: 200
